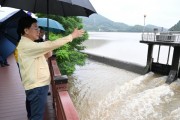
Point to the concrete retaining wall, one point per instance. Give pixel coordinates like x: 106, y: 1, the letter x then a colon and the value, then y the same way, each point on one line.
x: 118, y: 63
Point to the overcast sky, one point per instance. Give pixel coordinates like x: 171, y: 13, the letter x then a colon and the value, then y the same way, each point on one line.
x: 163, y: 13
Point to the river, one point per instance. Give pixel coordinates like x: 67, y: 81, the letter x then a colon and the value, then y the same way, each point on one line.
x: 102, y: 92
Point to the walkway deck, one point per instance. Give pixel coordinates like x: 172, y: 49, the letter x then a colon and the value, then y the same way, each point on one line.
x: 12, y: 96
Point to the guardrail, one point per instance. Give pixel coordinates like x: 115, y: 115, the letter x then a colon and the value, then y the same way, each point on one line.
x: 171, y: 36
x: 64, y: 108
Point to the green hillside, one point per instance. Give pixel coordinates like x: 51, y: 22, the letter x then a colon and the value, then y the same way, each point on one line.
x: 97, y: 23
x: 176, y: 27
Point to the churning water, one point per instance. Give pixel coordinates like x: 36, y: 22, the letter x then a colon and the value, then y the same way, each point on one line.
x: 102, y: 92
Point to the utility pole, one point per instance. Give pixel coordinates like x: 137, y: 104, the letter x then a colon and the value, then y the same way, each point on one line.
x: 144, y: 27
x: 144, y: 23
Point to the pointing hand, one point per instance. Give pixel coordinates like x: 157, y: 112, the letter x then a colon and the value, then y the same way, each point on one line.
x: 77, y: 33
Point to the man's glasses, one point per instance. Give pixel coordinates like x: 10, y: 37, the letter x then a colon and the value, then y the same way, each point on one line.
x: 37, y: 29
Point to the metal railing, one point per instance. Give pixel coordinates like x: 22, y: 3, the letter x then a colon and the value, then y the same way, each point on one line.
x: 170, y: 36
x: 64, y: 108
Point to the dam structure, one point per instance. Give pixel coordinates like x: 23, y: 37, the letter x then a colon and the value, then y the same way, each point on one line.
x: 169, y: 39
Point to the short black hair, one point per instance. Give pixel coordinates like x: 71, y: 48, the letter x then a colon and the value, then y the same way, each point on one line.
x: 24, y: 22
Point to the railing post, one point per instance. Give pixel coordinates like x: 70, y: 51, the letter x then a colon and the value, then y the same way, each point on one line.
x: 61, y: 83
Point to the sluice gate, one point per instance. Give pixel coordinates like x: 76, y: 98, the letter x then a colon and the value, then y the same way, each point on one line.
x: 169, y: 39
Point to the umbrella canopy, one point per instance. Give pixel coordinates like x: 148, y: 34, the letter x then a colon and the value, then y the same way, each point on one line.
x: 6, y: 47
x: 53, y: 25
x: 57, y: 7
x: 8, y: 32
x: 9, y: 24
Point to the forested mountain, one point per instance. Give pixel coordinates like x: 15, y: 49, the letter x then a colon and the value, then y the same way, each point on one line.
x: 99, y: 23
x: 176, y: 27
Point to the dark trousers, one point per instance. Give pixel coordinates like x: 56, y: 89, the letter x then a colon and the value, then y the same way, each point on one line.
x: 35, y: 102
x: 3, y: 62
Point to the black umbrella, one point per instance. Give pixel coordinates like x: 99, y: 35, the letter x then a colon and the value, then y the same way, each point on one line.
x: 8, y: 33
x: 56, y: 7
x: 8, y: 27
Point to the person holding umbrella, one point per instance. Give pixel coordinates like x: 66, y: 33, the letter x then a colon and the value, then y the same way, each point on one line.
x: 33, y: 66
x: 41, y: 35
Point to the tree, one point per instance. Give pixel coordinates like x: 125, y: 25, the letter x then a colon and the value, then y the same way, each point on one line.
x: 69, y: 55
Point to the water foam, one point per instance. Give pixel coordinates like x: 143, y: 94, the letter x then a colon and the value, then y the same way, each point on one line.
x: 143, y: 105
x: 117, y: 96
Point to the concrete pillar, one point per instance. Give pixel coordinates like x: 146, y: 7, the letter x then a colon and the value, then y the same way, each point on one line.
x: 173, y: 74
x: 175, y: 60
x: 149, y: 57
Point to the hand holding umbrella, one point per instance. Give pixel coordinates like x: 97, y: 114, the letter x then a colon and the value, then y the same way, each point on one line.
x: 77, y: 33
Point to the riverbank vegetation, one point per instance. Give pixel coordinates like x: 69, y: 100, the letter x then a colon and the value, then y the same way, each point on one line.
x: 69, y: 55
